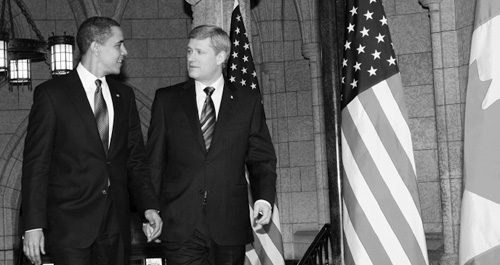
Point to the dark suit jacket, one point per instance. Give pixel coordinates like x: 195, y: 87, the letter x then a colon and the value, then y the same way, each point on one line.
x: 181, y: 167
x: 66, y: 171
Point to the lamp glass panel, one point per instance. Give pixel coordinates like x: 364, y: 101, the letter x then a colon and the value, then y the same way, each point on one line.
x: 62, y: 57
x: 20, y: 71
x: 3, y: 56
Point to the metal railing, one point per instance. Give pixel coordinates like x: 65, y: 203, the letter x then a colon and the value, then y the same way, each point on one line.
x: 320, y: 250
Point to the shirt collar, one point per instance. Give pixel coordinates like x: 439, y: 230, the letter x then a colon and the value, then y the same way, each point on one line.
x: 88, y: 79
x: 218, y: 85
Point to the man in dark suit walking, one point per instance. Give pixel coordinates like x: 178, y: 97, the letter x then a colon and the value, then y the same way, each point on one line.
x: 203, y: 134
x: 84, y: 158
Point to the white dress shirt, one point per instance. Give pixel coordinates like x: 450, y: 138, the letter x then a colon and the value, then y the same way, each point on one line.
x: 88, y: 82
x: 216, y: 95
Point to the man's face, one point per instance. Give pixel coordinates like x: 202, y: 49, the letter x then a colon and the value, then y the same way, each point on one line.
x: 202, y: 63
x: 112, y: 53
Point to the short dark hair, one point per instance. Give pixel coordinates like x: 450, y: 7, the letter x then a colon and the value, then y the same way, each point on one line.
x: 219, y: 40
x: 94, y: 29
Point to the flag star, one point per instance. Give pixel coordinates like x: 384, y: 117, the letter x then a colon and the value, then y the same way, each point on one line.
x: 368, y: 15
x: 344, y: 62
x: 236, y: 43
x: 383, y: 20
x: 233, y: 67
x: 350, y: 28
x: 380, y: 38
x: 364, y: 32
x: 235, y: 55
x: 361, y: 49
x: 343, y: 80
x: 376, y: 55
x: 347, y: 45
x: 237, y: 30
x: 232, y: 79
x: 238, y: 18
x: 357, y: 66
x: 244, y: 70
x: 245, y: 58
x: 243, y: 82
x: 354, y: 11
x: 254, y: 74
x: 372, y: 71
x: 373, y: 1
x: 354, y: 83
x: 246, y: 46
x: 253, y: 86
x: 392, y: 61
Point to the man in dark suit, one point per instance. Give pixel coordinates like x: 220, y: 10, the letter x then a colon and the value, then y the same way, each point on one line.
x: 84, y: 158
x: 199, y: 169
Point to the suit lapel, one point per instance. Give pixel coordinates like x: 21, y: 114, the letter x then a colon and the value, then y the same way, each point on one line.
x: 188, y: 98
x: 225, y: 110
x: 118, y: 110
x: 76, y: 94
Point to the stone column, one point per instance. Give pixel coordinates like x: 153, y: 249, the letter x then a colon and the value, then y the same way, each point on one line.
x: 450, y: 186
x: 218, y: 13
x: 312, y: 52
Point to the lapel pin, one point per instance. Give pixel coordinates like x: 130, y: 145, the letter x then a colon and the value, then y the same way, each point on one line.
x: 231, y: 96
x: 117, y: 95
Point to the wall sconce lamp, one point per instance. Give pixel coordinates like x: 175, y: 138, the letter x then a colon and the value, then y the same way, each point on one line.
x: 61, y: 54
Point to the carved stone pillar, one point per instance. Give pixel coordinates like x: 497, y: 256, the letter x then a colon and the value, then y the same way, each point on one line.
x: 312, y: 52
x: 218, y: 13
x: 450, y: 185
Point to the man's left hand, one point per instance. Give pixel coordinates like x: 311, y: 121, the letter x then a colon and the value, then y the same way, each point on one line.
x: 152, y: 229
x: 262, y: 213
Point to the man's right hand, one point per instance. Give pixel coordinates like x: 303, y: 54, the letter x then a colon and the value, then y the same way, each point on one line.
x: 34, y: 243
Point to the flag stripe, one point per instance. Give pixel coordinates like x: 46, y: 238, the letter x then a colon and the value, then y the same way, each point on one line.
x: 251, y: 256
x: 361, y: 238
x: 369, y: 206
x: 387, y: 186
x: 260, y: 251
x: 386, y: 119
x: 348, y: 257
x: 352, y: 239
x: 269, y: 233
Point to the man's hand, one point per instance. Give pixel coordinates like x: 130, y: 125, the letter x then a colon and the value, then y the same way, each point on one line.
x: 261, y: 213
x: 33, y: 244
x: 152, y: 230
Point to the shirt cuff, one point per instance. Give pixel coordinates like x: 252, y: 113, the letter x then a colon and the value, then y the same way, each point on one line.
x: 32, y: 230
x: 265, y: 202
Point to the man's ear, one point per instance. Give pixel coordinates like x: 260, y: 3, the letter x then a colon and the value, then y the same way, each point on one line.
x: 94, y: 48
x: 221, y: 57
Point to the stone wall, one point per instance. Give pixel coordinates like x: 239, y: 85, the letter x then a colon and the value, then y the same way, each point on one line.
x: 431, y: 44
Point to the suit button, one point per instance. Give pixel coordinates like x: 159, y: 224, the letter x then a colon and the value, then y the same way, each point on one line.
x: 207, y: 161
x: 108, y: 162
x: 104, y: 192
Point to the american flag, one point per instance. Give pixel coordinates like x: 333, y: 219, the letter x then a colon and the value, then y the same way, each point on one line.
x: 382, y: 218
x: 267, y: 247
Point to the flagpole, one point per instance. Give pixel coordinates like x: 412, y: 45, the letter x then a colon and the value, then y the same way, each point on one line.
x: 331, y: 19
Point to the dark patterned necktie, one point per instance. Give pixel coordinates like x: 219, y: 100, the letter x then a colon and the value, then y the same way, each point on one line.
x: 207, y: 119
x: 101, y: 115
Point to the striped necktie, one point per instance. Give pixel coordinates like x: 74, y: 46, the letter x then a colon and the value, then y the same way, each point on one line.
x: 207, y: 119
x: 101, y: 115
